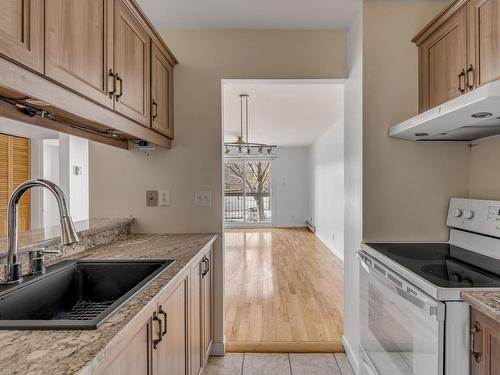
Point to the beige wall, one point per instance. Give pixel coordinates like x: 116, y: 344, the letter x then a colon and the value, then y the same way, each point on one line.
x: 407, y: 185
x: 119, y: 179
x: 485, y: 171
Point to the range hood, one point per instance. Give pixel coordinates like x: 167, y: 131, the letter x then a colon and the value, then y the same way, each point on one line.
x: 466, y: 118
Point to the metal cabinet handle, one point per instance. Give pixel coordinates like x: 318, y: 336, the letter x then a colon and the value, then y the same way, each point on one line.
x: 155, y: 107
x: 470, y: 78
x: 165, y: 320
x: 207, y: 266
x: 158, y: 340
x: 475, y: 329
x: 111, y: 83
x: 461, y: 77
x: 118, y: 79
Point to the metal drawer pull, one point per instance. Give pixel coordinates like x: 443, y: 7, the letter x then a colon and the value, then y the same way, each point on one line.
x: 118, y: 79
x: 470, y: 78
x: 165, y: 320
x: 460, y: 76
x: 208, y: 266
x: 475, y: 329
x: 158, y: 340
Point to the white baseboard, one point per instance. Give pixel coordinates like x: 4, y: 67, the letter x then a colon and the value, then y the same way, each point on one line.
x: 334, y: 251
x: 351, y: 356
x: 219, y: 348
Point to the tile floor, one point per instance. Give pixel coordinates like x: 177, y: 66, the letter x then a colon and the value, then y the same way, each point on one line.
x: 279, y: 364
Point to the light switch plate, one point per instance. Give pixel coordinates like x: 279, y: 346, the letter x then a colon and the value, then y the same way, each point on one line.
x: 203, y: 199
x: 151, y: 198
x: 164, y: 198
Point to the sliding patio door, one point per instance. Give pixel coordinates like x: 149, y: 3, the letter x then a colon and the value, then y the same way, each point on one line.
x: 247, y: 192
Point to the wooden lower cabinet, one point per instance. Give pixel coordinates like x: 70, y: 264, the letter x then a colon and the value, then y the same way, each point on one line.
x: 170, y: 355
x: 201, y: 313
x: 176, y: 338
x: 135, y: 358
x: 485, y: 344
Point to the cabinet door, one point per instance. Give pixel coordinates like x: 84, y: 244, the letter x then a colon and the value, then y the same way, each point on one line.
x: 79, y: 46
x: 170, y: 356
x: 195, y: 342
x: 485, y: 355
x: 135, y: 357
x: 21, y: 32
x: 132, y: 66
x: 207, y: 276
x: 162, y: 93
x: 442, y: 63
x: 483, y: 41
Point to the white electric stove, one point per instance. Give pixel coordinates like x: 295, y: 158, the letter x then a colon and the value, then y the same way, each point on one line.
x: 412, y: 318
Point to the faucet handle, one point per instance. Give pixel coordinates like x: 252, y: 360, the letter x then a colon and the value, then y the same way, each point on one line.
x: 37, y: 259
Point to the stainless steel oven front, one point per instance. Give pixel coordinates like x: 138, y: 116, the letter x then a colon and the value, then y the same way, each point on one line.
x: 401, y: 328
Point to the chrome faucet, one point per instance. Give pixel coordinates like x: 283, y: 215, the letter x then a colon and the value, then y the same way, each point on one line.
x: 12, y: 272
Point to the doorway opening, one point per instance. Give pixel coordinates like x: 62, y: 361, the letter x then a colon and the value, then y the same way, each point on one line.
x: 283, y: 167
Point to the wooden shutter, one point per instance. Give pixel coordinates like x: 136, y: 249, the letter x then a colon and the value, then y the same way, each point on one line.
x: 15, y: 157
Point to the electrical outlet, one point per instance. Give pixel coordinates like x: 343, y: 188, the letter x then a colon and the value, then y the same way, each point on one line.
x: 203, y: 199
x: 151, y: 198
x: 164, y: 198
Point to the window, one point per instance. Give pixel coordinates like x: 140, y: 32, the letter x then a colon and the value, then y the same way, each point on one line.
x: 247, y: 191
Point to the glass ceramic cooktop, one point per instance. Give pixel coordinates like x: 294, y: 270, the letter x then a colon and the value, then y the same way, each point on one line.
x: 444, y: 265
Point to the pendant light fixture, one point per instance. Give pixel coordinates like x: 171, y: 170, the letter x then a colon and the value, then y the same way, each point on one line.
x: 242, y: 147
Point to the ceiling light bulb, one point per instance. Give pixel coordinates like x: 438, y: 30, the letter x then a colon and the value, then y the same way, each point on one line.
x: 260, y: 150
x: 269, y: 150
x: 249, y: 150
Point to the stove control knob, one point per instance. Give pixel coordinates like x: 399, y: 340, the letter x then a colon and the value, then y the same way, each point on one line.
x: 468, y: 214
x: 457, y: 212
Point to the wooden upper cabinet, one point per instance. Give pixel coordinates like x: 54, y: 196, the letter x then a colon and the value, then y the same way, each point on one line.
x: 21, y: 32
x: 132, y: 66
x: 483, y: 19
x: 79, y: 46
x: 442, y: 61
x: 162, y: 75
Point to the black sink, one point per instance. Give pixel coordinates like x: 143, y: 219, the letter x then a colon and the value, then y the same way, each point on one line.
x: 74, y: 294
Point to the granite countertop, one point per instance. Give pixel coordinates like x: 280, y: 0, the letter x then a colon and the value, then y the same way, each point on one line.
x: 68, y: 352
x: 49, y: 236
x: 486, y: 302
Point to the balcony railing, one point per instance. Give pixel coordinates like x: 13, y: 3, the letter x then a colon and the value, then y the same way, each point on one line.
x: 244, y: 208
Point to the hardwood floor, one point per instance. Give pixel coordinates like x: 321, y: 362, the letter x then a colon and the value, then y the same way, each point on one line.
x: 284, y: 292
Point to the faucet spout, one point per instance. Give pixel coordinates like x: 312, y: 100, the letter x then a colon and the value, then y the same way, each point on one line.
x: 13, y: 273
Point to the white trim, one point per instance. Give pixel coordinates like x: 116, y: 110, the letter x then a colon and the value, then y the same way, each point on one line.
x: 228, y: 82
x: 219, y: 348
x: 350, y: 355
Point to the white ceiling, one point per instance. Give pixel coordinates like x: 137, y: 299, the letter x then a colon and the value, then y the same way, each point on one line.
x: 285, y: 114
x: 255, y: 14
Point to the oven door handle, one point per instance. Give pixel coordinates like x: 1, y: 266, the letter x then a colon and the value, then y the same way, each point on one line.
x: 410, y: 293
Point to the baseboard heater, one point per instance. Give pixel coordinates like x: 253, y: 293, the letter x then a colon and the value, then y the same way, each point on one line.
x: 310, y: 226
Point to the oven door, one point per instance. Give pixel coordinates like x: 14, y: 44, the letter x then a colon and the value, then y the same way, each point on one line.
x: 401, y: 328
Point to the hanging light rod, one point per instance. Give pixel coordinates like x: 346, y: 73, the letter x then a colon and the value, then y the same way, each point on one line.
x: 242, y: 145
